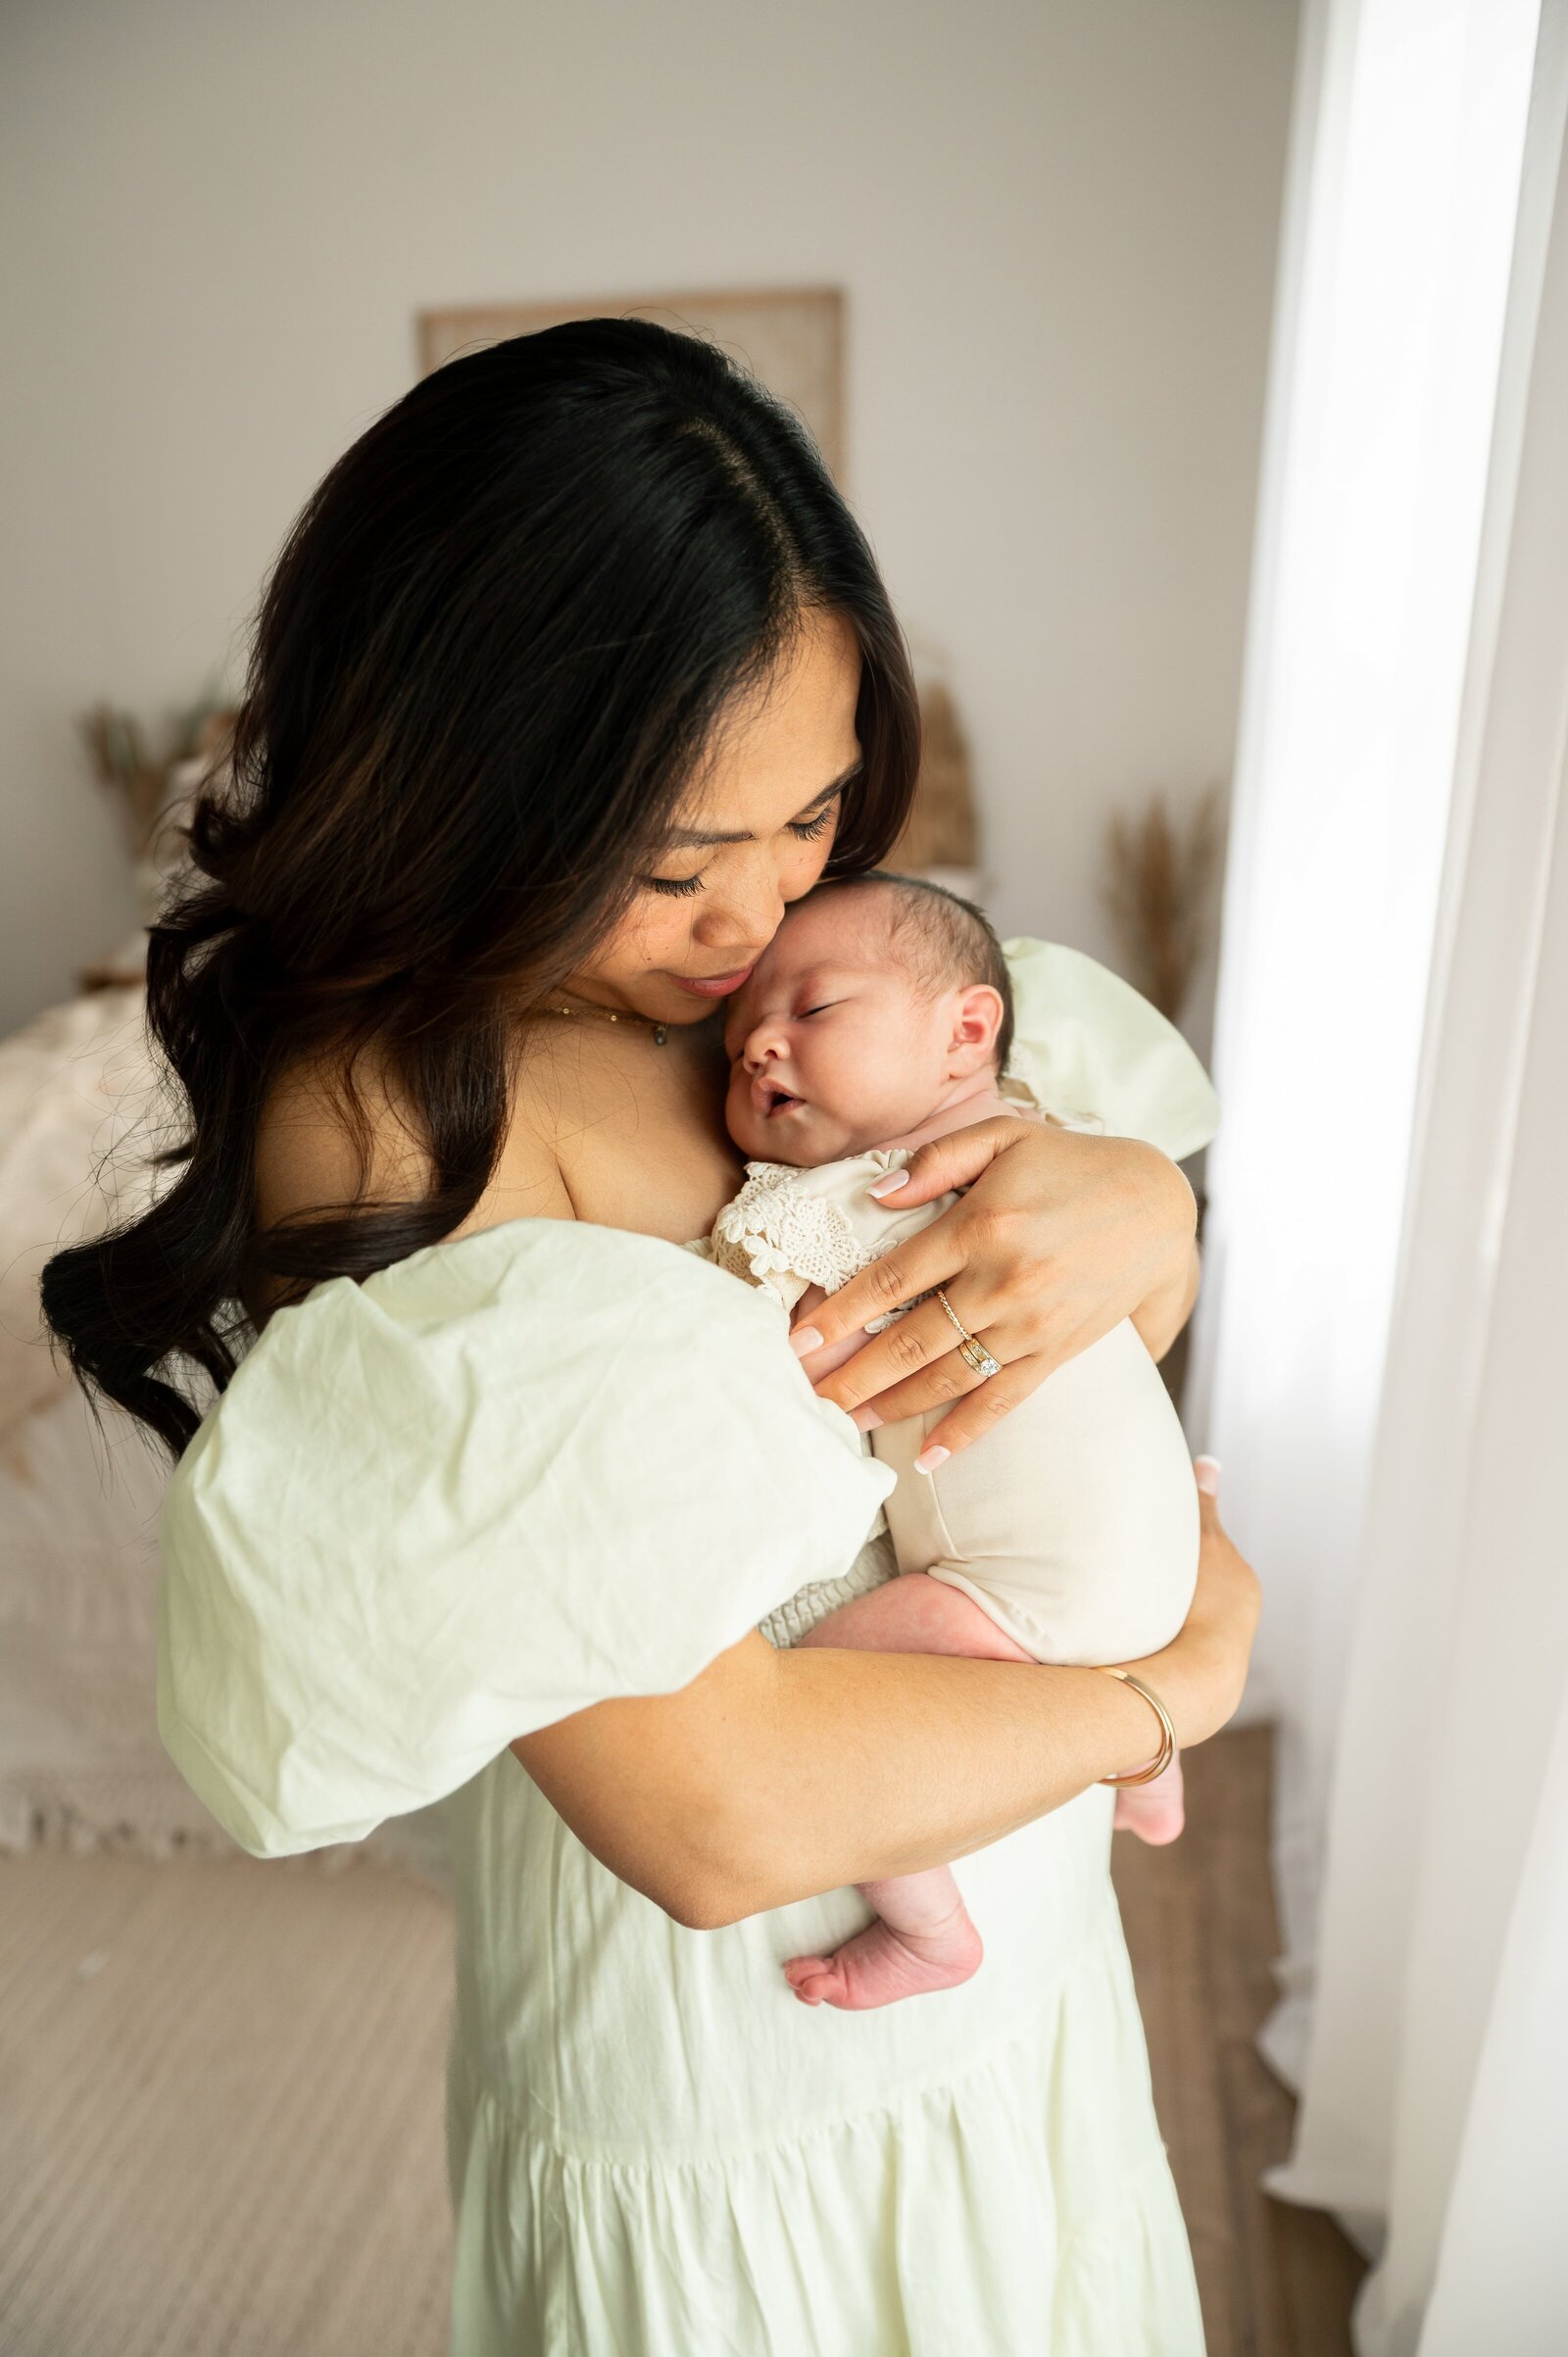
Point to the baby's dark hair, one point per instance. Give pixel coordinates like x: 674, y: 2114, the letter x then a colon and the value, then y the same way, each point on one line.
x: 950, y: 940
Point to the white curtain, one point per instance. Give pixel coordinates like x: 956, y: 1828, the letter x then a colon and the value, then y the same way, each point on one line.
x: 1379, y: 1361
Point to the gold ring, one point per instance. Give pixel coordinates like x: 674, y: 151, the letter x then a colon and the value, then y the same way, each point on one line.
x: 971, y: 1350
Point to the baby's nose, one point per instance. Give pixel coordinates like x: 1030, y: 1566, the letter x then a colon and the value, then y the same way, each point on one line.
x: 759, y: 1044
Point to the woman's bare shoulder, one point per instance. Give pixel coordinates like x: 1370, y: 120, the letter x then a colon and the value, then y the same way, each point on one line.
x: 320, y: 1145
x: 316, y: 1148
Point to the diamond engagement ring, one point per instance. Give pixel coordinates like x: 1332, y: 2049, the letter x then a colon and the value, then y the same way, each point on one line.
x: 971, y: 1350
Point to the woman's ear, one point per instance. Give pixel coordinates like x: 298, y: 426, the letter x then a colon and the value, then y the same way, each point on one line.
x: 976, y: 1021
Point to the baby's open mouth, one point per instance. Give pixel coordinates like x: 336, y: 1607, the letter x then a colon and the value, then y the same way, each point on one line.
x: 775, y: 1100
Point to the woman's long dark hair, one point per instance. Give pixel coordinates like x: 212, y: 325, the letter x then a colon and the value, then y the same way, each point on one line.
x: 488, y: 657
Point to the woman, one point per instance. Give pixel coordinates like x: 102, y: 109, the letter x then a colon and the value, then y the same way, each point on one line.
x: 574, y: 672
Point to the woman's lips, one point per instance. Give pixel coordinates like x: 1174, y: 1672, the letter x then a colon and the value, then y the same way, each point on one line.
x: 713, y: 986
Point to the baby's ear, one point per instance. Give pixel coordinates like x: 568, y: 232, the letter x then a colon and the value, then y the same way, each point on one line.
x: 976, y: 1021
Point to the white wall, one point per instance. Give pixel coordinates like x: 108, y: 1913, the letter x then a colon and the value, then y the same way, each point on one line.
x: 1055, y: 219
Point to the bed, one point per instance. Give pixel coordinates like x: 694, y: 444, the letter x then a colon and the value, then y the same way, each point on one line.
x: 80, y: 1761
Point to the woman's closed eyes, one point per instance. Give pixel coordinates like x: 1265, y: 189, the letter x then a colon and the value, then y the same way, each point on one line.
x: 805, y: 830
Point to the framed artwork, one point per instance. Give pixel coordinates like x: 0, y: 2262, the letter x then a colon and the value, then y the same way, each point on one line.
x: 790, y: 337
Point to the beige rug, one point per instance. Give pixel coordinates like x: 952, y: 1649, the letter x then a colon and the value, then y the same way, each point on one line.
x: 220, y: 2130
x: 220, y: 2098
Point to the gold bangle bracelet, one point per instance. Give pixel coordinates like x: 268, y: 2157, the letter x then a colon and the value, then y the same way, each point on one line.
x: 1167, y: 1731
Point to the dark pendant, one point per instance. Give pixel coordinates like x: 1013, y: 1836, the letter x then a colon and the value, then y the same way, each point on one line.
x: 661, y: 1034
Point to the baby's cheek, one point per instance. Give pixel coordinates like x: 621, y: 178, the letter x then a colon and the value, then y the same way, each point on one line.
x: 740, y: 1116
x: 846, y: 1075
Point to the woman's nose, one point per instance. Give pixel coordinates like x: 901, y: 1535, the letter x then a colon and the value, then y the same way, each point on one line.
x: 745, y: 921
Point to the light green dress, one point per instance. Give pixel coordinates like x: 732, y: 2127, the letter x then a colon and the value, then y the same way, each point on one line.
x: 547, y: 1464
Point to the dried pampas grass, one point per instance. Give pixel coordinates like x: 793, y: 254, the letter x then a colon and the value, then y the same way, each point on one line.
x: 1160, y: 874
x: 123, y: 758
x: 942, y: 830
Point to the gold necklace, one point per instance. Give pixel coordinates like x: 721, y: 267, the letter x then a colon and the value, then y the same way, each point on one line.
x: 612, y: 1014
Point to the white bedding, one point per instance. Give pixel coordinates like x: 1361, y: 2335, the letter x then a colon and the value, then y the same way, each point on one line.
x: 80, y: 1759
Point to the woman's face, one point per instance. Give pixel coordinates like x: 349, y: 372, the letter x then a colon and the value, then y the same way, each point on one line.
x: 753, y: 833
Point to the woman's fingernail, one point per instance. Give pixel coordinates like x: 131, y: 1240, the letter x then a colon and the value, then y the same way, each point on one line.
x: 889, y: 1185
x: 804, y: 1339
x: 930, y: 1458
x: 1206, y: 1469
x: 866, y: 1419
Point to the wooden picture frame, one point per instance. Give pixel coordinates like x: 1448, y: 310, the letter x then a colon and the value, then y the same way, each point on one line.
x: 792, y: 338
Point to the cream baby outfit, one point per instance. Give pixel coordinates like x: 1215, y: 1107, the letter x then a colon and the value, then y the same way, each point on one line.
x: 541, y: 1464
x: 1073, y: 1524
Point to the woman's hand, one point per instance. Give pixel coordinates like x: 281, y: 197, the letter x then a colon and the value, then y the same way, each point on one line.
x: 1059, y: 1236
x: 1200, y: 1675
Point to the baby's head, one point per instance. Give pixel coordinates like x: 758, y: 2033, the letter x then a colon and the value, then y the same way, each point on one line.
x: 877, y: 998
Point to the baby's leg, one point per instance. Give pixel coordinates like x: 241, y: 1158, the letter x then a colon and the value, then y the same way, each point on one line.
x: 924, y: 1938
x: 1076, y: 1524
x: 915, y: 1615
x: 1155, y: 1812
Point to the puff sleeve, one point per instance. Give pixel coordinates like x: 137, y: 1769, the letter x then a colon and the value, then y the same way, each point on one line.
x: 1090, y: 1050
x: 519, y: 1472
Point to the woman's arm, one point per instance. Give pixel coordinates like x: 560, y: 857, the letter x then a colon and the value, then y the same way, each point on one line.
x: 1168, y: 1309
x: 1058, y: 1236
x: 774, y: 1775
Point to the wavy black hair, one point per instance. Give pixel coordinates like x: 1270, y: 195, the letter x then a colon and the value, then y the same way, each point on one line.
x: 485, y: 666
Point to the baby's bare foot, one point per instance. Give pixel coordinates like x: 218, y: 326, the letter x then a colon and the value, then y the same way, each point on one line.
x: 1155, y: 1812
x: 879, y: 1966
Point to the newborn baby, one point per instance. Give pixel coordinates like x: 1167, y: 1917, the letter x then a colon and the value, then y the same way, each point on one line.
x: 878, y: 1018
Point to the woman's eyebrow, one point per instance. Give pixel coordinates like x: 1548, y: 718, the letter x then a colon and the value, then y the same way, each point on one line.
x: 686, y: 838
